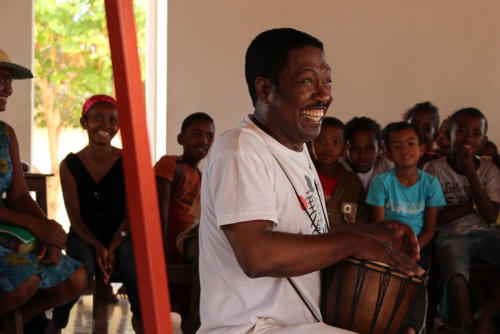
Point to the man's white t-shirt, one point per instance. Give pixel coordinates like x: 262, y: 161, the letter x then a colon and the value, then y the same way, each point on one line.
x: 243, y: 181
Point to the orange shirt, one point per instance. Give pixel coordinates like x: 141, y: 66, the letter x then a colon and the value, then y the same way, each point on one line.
x: 182, y: 199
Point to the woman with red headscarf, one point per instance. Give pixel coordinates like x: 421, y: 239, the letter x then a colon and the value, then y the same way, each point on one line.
x: 94, y: 194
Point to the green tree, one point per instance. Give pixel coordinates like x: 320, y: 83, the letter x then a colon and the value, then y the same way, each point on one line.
x: 72, y: 62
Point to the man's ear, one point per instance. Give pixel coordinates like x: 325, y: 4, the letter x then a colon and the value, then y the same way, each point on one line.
x: 180, y: 139
x: 264, y: 89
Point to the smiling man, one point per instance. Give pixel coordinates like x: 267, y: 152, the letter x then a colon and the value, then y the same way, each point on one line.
x: 264, y: 234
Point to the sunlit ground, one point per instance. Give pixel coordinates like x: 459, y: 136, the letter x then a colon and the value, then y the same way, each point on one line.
x: 119, y: 317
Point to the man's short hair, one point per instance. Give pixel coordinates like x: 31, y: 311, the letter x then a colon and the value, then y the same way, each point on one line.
x: 194, y: 117
x: 267, y: 55
x: 468, y: 111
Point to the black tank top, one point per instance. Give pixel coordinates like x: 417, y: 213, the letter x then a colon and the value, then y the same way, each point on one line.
x: 102, y: 204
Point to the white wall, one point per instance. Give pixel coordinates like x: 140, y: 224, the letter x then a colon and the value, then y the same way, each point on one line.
x: 386, y: 55
x: 16, y: 38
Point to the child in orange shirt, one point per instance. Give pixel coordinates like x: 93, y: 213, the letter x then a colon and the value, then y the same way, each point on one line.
x: 178, y: 179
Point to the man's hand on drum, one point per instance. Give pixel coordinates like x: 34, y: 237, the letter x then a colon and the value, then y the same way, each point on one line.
x: 400, y: 236
x: 375, y: 248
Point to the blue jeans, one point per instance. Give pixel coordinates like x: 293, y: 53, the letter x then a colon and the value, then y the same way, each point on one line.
x: 125, y: 265
x: 455, y: 252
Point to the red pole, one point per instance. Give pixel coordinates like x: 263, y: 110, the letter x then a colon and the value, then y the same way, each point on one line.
x: 139, y: 177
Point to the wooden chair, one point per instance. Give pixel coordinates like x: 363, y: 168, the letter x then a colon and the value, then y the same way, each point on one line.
x: 13, y: 322
x: 38, y: 184
x: 100, y: 303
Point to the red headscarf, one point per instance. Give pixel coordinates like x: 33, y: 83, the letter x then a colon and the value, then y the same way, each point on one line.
x: 96, y: 99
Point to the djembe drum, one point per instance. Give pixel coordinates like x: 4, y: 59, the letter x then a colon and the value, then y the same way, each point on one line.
x: 367, y: 297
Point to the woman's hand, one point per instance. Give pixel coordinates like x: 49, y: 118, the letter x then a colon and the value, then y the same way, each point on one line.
x: 49, y: 254
x: 103, y: 260
x: 50, y: 232
x: 111, y: 263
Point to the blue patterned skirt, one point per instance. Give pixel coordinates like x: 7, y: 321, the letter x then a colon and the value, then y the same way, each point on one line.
x: 16, y: 268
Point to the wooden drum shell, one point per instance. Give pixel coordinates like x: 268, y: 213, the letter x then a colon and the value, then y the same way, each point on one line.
x: 367, y: 297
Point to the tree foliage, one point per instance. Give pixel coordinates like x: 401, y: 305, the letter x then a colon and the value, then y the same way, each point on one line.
x: 72, y: 62
x: 72, y: 57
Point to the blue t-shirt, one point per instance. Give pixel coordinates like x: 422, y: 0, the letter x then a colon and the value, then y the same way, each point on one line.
x: 405, y: 204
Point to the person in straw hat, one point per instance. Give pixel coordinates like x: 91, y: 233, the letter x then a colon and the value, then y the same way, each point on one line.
x: 34, y: 275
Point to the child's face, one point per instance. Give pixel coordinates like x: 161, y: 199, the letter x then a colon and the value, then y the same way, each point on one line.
x: 404, y: 148
x: 443, y: 137
x: 197, y: 138
x: 423, y: 122
x: 363, y: 150
x: 101, y: 123
x: 468, y: 130
x: 329, y: 146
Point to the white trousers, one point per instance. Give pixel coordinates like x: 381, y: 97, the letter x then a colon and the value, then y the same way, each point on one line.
x: 271, y: 326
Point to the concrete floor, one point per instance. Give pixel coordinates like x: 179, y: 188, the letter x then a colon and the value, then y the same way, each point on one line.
x: 119, y: 315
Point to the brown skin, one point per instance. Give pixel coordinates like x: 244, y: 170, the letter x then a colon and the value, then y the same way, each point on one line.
x: 405, y: 151
x: 23, y: 211
x: 362, y: 151
x: 422, y: 120
x: 443, y: 139
x: 467, y: 137
x: 5, y: 87
x: 195, y: 141
x: 328, y: 147
x: 98, y: 157
x: 305, y: 85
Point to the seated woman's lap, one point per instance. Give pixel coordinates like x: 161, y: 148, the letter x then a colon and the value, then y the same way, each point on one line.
x: 82, y: 251
x: 16, y: 268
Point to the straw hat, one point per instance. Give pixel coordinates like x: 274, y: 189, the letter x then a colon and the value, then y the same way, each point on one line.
x: 18, y: 71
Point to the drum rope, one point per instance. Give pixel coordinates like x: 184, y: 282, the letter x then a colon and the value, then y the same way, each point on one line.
x: 357, y: 293
x: 385, y: 278
x: 401, y: 293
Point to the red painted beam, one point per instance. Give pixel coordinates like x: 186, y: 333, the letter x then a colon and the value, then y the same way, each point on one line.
x: 139, y: 177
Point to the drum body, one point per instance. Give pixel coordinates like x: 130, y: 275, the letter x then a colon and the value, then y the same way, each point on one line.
x: 367, y: 297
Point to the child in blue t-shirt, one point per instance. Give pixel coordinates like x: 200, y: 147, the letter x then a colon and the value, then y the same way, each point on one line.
x: 405, y: 193
x: 408, y: 195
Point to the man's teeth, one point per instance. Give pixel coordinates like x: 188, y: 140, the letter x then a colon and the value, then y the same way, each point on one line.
x: 103, y: 133
x: 313, y: 115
